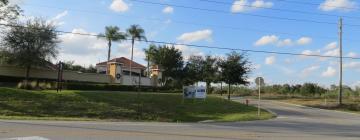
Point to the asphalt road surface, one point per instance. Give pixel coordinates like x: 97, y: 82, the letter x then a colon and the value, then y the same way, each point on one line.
x: 292, y: 123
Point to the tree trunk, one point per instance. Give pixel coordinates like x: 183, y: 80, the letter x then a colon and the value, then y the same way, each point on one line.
x: 208, y: 87
x: 27, y: 75
x: 132, y: 57
x: 229, y: 91
x: 221, y: 89
x: 108, y: 58
x: 148, y: 66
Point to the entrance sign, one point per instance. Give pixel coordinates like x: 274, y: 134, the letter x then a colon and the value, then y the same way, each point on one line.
x: 193, y: 92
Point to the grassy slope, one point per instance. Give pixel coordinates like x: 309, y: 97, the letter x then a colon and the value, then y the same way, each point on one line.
x: 86, y: 105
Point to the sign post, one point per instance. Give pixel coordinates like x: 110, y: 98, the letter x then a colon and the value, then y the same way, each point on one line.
x: 259, y: 82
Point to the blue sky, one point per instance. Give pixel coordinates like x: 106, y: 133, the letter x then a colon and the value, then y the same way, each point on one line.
x: 233, y: 26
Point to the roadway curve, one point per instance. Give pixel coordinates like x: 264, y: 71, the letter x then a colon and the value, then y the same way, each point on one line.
x: 293, y: 123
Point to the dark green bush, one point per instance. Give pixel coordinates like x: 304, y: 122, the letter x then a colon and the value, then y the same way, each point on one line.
x: 116, y: 87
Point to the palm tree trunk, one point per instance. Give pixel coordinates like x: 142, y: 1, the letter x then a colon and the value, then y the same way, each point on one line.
x: 108, y: 59
x: 148, y: 66
x: 132, y: 57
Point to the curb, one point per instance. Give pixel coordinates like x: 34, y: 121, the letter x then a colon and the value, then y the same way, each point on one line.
x: 268, y: 110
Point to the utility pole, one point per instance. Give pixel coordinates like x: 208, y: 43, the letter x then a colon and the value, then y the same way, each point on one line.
x: 341, y: 60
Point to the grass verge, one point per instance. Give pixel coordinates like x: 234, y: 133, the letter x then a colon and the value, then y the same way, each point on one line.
x: 350, y: 104
x: 119, y: 106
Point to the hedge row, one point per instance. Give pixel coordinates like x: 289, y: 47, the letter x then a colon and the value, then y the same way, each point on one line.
x: 41, y: 84
x: 114, y: 87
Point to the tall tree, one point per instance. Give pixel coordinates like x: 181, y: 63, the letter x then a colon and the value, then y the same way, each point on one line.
x: 136, y: 33
x: 210, y: 70
x: 150, y: 54
x: 170, y: 61
x: 8, y: 12
x: 30, y: 44
x: 193, y: 70
x: 112, y: 33
x: 235, y: 70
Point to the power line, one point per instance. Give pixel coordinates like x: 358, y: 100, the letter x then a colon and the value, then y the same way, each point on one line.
x: 317, y: 4
x: 278, y: 9
x: 189, y: 23
x: 198, y: 46
x: 246, y: 14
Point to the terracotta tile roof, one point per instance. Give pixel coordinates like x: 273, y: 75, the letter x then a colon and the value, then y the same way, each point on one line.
x: 125, y: 62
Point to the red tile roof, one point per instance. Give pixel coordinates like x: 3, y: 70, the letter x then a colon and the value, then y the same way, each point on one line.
x: 125, y: 62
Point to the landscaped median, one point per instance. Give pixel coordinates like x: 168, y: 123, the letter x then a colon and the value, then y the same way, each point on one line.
x: 120, y: 106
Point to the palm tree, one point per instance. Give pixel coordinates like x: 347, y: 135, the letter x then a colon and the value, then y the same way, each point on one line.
x: 135, y: 32
x: 112, y: 33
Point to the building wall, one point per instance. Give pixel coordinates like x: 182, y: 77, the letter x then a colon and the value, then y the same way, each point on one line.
x: 145, y: 81
x: 52, y: 74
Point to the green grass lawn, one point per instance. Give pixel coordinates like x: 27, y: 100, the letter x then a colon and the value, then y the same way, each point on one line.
x: 118, y: 106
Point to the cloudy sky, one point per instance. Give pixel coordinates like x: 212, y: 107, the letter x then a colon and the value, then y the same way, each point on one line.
x: 307, y: 27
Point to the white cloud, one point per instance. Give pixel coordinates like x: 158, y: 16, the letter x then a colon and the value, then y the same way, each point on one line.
x: 57, y: 19
x: 124, y: 50
x: 83, y: 49
x: 355, y: 85
x: 251, y: 5
x: 309, y: 53
x: 270, y: 60
x: 334, y: 52
x: 267, y: 40
x: 187, y: 51
x: 86, y: 50
x: 339, y: 5
x: 16, y: 1
x: 275, y: 40
x: 257, y: 66
x: 304, y: 41
x: 330, y: 72
x: 309, y: 70
x: 119, y: 6
x: 330, y: 46
x: 168, y: 10
x: 352, y: 65
x: 352, y: 54
x: 285, y: 42
x: 196, y: 36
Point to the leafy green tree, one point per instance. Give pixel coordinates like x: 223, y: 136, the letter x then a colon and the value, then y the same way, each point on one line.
x: 8, y: 12
x: 136, y: 33
x: 193, y: 70
x: 235, y: 70
x: 210, y: 69
x: 170, y: 61
x: 31, y: 44
x: 150, y: 54
x: 69, y: 65
x: 112, y: 33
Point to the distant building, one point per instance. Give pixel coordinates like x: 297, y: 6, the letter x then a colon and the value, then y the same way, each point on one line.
x: 119, y: 70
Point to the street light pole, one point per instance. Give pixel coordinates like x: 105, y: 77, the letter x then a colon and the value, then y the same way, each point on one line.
x: 341, y: 61
x: 259, y: 100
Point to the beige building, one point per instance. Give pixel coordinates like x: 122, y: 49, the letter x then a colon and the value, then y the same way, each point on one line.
x: 119, y: 71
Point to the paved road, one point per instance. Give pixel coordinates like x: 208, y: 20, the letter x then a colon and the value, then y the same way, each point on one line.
x: 292, y: 123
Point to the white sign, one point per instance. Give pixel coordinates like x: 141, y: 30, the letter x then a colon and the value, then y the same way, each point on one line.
x: 194, y: 92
